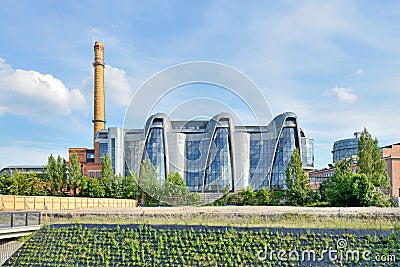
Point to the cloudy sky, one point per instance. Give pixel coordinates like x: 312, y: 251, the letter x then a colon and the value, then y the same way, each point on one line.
x: 334, y: 63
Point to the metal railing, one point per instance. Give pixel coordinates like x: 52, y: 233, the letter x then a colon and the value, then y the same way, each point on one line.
x: 19, y: 219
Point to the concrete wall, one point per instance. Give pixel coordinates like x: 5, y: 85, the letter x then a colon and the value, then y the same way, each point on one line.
x: 176, y: 152
x: 242, y: 159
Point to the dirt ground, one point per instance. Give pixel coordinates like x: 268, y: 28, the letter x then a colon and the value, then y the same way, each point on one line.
x: 237, y: 210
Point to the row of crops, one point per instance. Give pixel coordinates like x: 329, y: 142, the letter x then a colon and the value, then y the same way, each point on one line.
x: 152, y: 245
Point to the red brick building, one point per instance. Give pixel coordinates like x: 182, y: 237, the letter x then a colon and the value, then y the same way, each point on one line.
x: 391, y: 154
x: 90, y: 165
x: 318, y: 176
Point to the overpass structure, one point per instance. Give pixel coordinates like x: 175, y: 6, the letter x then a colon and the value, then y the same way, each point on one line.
x: 17, y: 224
x: 14, y: 225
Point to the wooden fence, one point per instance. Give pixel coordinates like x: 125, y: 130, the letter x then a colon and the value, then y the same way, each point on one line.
x: 61, y: 203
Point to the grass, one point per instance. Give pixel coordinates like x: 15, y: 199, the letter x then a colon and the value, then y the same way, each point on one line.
x: 286, y: 220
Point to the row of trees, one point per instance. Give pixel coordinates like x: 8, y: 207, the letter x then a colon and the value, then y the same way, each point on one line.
x: 366, y: 187
x: 345, y: 188
x: 56, y: 181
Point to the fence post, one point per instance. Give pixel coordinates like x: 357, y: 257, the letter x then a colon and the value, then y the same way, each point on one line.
x: 26, y: 219
x: 12, y: 219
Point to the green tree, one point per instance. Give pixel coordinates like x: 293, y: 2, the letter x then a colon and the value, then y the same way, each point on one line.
x: 362, y: 190
x: 370, y: 161
x: 347, y: 189
x: 148, y: 182
x: 75, y: 174
x: 61, y: 174
x: 130, y: 188
x: 299, y: 190
x: 175, y: 192
x: 5, y: 182
x: 339, y: 189
x: 25, y: 184
x: 117, y: 189
x: 56, y: 174
x: 175, y: 179
x: 92, y: 187
x: 107, y: 175
x: 51, y: 172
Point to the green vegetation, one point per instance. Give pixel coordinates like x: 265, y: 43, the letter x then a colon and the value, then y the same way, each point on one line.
x: 146, y: 245
x: 299, y: 191
x: 250, y: 197
x: 75, y: 174
x: 29, y: 184
x: 284, y: 220
x: 144, y: 187
x: 364, y: 188
x: 345, y: 188
x: 171, y: 192
x: 56, y: 174
x: 370, y: 161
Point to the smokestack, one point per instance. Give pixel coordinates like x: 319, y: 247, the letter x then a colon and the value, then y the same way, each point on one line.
x: 98, y: 64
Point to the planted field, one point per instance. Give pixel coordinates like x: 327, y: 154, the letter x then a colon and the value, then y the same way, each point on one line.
x: 155, y: 245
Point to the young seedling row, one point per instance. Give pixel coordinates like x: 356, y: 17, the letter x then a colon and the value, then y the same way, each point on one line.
x: 166, y: 245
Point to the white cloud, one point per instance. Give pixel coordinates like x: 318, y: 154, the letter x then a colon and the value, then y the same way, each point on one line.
x: 342, y: 93
x: 117, y: 87
x: 360, y: 72
x: 30, y: 93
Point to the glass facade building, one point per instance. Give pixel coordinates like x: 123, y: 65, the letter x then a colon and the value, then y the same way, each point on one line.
x: 346, y: 148
x: 286, y: 146
x: 218, y: 169
x: 155, y: 151
x: 215, y: 154
x: 103, y: 150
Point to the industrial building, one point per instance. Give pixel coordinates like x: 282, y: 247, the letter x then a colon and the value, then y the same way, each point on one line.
x: 346, y: 148
x: 210, y: 155
x: 391, y: 154
x: 342, y: 149
x: 8, y: 170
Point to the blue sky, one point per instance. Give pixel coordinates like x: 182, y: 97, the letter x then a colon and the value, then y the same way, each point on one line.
x: 334, y: 63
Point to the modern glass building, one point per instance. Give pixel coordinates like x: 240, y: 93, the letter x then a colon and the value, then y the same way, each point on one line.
x: 212, y: 154
x: 346, y: 148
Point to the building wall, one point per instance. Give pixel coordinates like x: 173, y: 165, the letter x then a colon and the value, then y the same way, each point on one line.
x: 391, y: 154
x: 176, y: 149
x: 346, y: 148
x: 316, y: 177
x: 210, y: 155
x: 88, y: 168
x: 242, y: 159
x: 116, y: 149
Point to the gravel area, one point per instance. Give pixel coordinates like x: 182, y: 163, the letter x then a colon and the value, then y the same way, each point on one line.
x: 245, y: 210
